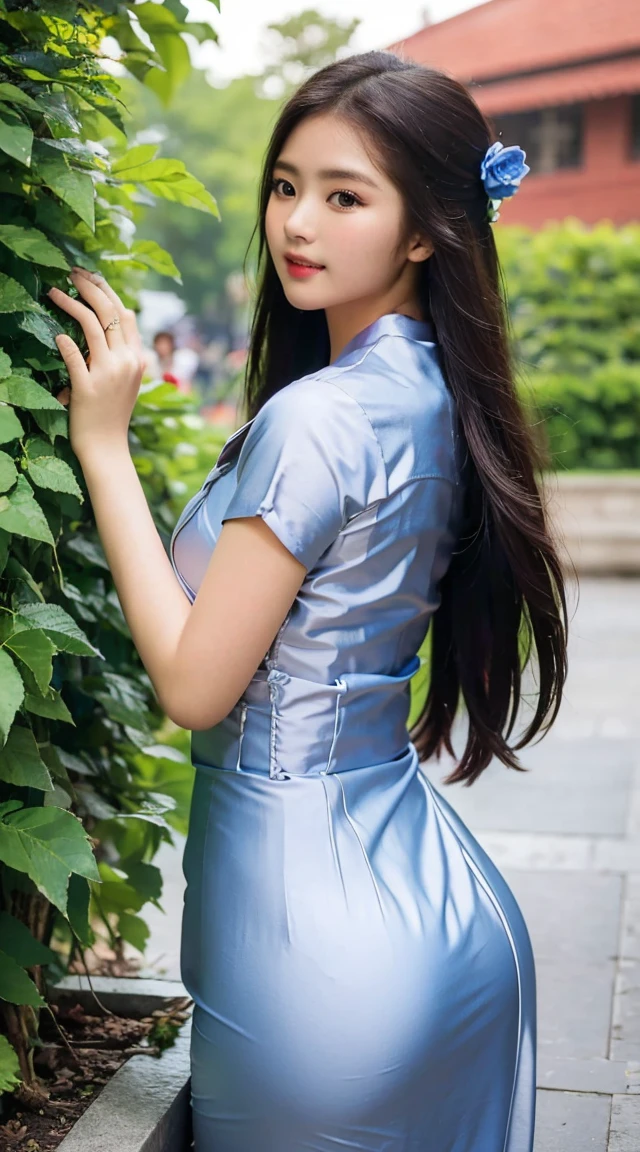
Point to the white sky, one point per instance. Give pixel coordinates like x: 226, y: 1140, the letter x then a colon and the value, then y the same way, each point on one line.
x: 240, y: 22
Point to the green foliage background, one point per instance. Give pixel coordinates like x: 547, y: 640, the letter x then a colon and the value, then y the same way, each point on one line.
x: 573, y: 295
x: 88, y: 787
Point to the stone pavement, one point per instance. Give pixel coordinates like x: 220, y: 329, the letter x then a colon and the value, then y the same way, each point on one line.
x: 566, y: 836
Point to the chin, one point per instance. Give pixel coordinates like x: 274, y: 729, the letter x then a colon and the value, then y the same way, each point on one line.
x: 303, y: 302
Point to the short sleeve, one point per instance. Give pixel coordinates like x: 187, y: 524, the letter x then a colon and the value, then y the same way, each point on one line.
x: 309, y: 462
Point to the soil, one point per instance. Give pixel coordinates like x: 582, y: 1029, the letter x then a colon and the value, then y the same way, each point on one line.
x: 79, y: 1056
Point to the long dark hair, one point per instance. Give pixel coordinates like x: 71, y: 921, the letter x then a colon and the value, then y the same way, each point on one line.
x: 503, y: 594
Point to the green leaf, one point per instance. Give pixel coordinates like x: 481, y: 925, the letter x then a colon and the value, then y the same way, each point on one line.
x: 21, y: 514
x: 180, y: 10
x: 134, y: 157
x: 15, y: 298
x: 122, y: 700
x: 44, y: 327
x: 56, y: 110
x: 10, y: 426
x: 10, y: 806
x: 133, y: 929
x: 11, y: 696
x: 149, y: 254
x: 170, y: 180
x: 118, y: 896
x: 53, y: 423
x: 148, y: 813
x: 25, y: 393
x: 89, y: 801
x: 5, y: 365
x: 15, y: 986
x: 60, y: 796
x: 18, y: 572
x: 78, y: 910
x: 20, y: 945
x: 36, y: 65
x: 146, y: 878
x: 14, y: 95
x: 59, y: 626
x: 55, y: 474
x: 34, y: 648
x: 72, y: 187
x: 81, y: 152
x: 49, y: 844
x: 8, y: 472
x: 16, y: 139
x: 89, y: 551
x: 9, y: 1066
x: 51, y: 706
x: 32, y: 244
x: 20, y: 761
x: 163, y: 29
x: 72, y: 763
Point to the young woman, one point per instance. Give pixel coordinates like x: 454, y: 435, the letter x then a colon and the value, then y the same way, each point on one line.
x: 362, y: 974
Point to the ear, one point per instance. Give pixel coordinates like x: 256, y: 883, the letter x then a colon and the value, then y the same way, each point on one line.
x: 420, y: 249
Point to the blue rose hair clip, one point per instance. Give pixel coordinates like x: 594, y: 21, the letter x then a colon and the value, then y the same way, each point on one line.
x: 501, y: 171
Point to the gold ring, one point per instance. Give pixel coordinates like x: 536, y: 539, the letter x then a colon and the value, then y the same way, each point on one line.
x: 113, y: 323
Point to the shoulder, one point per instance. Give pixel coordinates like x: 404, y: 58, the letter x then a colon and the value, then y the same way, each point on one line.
x: 315, y: 410
x: 317, y: 396
x: 409, y: 406
x: 391, y: 414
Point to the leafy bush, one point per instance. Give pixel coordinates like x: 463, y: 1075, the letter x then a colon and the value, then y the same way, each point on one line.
x: 591, y: 421
x: 87, y: 791
x: 573, y: 297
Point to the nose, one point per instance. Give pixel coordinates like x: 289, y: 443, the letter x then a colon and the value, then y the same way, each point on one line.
x: 300, y: 221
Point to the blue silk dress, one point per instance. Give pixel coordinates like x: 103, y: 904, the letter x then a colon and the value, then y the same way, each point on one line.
x: 362, y: 974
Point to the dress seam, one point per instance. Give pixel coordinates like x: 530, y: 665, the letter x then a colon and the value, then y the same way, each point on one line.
x: 336, y: 776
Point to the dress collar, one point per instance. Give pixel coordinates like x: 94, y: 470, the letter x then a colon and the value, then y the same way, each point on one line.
x: 390, y: 324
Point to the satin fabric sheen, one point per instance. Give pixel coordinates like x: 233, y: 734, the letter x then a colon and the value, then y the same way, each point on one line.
x: 362, y: 974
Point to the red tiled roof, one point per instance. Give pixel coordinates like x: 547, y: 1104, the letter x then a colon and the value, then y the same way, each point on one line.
x: 589, y: 82
x: 515, y: 35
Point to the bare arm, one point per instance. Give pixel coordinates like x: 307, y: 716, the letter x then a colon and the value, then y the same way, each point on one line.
x: 199, y: 657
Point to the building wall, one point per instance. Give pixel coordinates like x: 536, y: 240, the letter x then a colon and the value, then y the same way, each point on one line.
x: 606, y: 186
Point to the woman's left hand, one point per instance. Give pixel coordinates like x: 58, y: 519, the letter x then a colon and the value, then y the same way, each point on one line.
x: 103, y: 391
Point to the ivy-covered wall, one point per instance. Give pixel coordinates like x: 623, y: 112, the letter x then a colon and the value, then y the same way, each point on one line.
x: 87, y: 791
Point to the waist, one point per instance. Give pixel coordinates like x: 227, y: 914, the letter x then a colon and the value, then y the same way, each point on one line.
x: 285, y: 725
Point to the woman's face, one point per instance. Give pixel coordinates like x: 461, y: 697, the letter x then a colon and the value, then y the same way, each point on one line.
x: 332, y: 206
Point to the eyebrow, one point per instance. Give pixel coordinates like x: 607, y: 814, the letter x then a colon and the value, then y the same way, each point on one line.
x: 330, y: 173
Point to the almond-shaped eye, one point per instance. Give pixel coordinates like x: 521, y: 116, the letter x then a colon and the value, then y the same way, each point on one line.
x: 279, y: 180
x: 352, y: 196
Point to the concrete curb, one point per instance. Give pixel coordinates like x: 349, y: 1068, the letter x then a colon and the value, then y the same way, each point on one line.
x: 597, y: 519
x: 145, y: 1107
x: 123, y: 995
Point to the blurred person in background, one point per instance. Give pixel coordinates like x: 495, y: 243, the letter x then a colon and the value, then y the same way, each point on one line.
x: 175, y: 365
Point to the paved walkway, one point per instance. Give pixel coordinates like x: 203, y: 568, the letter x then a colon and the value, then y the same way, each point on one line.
x: 567, y: 838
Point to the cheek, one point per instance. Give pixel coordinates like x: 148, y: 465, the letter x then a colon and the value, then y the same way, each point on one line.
x: 268, y: 221
x: 366, y: 244
x: 274, y: 220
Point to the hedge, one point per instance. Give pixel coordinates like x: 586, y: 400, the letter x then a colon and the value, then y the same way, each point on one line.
x: 573, y: 293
